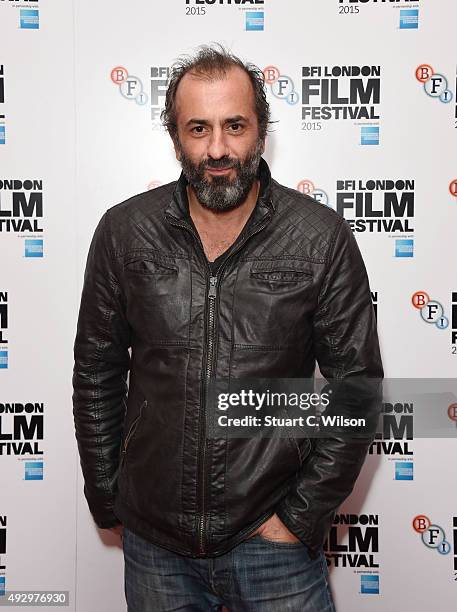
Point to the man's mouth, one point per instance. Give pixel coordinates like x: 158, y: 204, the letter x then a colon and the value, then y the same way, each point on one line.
x: 219, y: 171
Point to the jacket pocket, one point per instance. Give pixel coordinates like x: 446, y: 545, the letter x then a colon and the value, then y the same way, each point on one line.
x: 157, y: 293
x: 130, y: 437
x: 281, y: 276
x: 144, y: 265
x: 273, y: 301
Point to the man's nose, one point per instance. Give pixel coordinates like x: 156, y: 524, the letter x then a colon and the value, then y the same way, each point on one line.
x: 218, y: 145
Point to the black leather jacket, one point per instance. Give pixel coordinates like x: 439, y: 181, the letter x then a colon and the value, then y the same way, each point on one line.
x: 293, y: 291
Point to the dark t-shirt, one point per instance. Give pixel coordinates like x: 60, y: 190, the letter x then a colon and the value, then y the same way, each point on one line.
x: 216, y: 264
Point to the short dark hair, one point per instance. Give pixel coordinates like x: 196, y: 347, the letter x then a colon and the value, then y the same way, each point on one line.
x: 209, y: 62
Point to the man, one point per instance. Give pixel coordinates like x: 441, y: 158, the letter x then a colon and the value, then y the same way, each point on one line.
x: 224, y: 273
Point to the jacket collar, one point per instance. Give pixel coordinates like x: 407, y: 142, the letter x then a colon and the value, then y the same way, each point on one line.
x: 178, y: 208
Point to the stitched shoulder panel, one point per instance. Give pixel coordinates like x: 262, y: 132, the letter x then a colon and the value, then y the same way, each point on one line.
x: 137, y: 223
x: 301, y: 227
x: 148, y: 203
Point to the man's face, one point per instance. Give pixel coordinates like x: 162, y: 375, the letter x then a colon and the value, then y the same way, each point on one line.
x: 218, y: 140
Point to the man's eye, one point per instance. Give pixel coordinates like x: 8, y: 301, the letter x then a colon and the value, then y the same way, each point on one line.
x: 198, y: 129
x: 236, y: 127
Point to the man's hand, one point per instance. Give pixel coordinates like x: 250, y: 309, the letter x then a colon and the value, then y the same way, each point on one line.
x: 118, y: 530
x: 275, y: 530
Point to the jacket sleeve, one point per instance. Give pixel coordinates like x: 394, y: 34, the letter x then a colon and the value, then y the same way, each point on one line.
x: 346, y: 345
x: 102, y: 362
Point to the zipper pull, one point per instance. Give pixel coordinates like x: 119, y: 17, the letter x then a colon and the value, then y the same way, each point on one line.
x: 212, y: 286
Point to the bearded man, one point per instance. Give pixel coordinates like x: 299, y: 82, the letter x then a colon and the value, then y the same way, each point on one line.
x: 223, y: 273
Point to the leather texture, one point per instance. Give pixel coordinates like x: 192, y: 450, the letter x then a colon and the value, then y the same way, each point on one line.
x: 152, y: 331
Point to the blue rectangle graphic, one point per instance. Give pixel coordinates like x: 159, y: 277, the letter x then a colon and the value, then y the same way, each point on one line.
x: 33, y: 470
x: 255, y: 21
x: 404, y: 470
x: 369, y: 583
x: 33, y: 248
x: 409, y: 19
x: 3, y: 360
x: 404, y: 247
x: 369, y: 135
x: 30, y: 19
x: 2, y: 134
x: 2, y: 585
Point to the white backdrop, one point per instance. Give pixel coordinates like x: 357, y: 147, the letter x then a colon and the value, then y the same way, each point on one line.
x: 67, y: 127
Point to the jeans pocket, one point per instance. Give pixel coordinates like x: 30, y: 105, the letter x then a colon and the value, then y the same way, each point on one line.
x: 278, y: 543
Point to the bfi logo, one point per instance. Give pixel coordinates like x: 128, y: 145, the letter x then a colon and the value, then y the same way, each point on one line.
x: 435, y: 85
x: 307, y: 187
x: 130, y: 86
x: 281, y: 85
x: 431, y: 311
x: 432, y: 535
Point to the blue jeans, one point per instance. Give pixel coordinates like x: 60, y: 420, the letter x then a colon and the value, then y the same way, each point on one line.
x: 258, y: 575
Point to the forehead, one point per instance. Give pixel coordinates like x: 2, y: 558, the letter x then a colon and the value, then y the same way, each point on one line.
x: 226, y: 95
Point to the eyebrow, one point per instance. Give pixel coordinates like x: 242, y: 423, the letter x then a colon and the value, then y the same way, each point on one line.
x: 234, y: 119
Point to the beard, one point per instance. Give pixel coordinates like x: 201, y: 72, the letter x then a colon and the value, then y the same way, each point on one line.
x: 221, y: 193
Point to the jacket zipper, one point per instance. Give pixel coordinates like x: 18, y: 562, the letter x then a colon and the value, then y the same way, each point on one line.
x: 212, y: 293
x: 209, y: 346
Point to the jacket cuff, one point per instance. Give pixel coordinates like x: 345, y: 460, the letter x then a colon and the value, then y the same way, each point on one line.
x: 107, y: 520
x: 102, y: 511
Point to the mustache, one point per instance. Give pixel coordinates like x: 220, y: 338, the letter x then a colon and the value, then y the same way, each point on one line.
x: 223, y: 162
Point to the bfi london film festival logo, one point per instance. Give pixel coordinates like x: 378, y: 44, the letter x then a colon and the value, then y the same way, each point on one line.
x: 3, y: 330
x: 435, y: 85
x: 3, y: 525
x: 433, y: 536
x: 397, y: 423
x: 307, y: 187
x: 383, y: 206
x: 2, y: 105
x: 254, y: 20
x: 409, y: 17
x: 353, y: 542
x: 281, y: 85
x: 131, y: 88
x: 432, y: 312
x: 21, y: 434
x: 332, y: 94
x: 21, y: 211
x: 159, y: 76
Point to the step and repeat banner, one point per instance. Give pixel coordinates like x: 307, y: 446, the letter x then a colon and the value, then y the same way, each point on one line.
x: 363, y: 95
